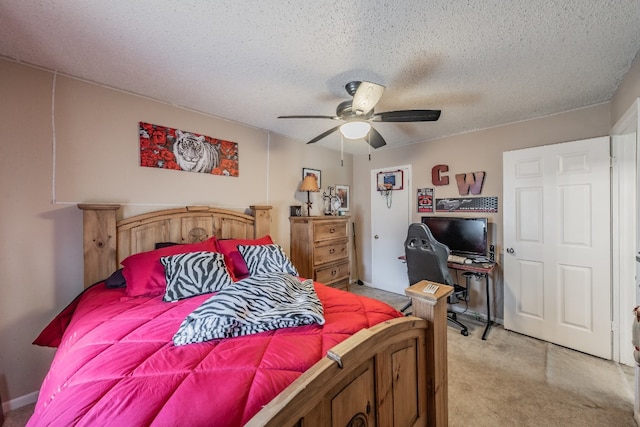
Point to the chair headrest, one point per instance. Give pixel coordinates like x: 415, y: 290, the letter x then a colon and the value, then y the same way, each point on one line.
x: 419, y: 235
x: 426, y: 257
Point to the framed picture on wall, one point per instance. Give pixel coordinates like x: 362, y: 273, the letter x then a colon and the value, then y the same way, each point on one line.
x: 342, y: 191
x: 314, y: 172
x: 425, y: 199
x: 164, y: 147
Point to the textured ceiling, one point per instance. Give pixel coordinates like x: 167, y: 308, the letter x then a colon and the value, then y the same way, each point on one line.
x: 483, y: 62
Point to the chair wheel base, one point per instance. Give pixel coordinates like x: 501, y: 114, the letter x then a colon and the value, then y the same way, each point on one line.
x: 454, y: 319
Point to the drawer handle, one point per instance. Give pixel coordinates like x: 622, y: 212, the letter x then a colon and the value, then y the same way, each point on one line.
x: 332, y: 230
x: 334, y: 272
x: 332, y: 251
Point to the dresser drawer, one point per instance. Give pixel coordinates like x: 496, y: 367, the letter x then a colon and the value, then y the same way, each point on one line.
x: 326, y: 230
x: 333, y: 273
x: 341, y: 284
x: 330, y: 251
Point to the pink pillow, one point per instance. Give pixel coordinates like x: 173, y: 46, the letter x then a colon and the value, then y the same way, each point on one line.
x: 145, y: 274
x: 235, y: 263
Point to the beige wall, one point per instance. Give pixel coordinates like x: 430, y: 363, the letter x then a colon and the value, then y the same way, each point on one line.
x: 482, y: 151
x: 37, y: 247
x: 470, y: 152
x: 627, y: 93
x: 96, y: 160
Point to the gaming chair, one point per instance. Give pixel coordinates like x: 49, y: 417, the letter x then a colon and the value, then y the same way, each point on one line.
x: 427, y: 260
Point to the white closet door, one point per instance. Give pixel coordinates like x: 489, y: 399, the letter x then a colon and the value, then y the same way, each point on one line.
x: 557, y: 261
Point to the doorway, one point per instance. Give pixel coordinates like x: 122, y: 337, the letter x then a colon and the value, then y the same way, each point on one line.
x: 626, y: 233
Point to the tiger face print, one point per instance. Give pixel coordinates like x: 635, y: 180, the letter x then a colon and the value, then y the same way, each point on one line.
x: 194, y: 154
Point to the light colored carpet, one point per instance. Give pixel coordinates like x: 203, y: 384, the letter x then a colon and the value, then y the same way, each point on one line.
x: 18, y: 417
x: 513, y: 380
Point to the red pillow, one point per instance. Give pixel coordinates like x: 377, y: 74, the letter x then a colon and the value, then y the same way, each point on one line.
x: 235, y: 263
x: 51, y: 335
x: 145, y: 274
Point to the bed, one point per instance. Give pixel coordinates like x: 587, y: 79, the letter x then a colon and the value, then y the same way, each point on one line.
x: 134, y: 355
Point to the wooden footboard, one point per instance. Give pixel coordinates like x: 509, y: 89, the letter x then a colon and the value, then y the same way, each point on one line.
x: 388, y: 375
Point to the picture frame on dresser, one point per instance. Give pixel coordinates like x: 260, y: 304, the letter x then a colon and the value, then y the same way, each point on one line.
x: 342, y: 191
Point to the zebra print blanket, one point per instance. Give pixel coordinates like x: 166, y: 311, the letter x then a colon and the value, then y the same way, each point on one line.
x: 256, y: 304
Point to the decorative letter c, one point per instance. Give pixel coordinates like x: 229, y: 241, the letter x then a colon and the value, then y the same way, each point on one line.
x: 435, y: 175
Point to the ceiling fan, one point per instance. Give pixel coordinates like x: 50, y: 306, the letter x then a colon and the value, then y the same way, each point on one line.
x: 358, y: 113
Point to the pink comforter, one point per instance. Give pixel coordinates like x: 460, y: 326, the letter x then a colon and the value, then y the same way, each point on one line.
x: 116, y: 363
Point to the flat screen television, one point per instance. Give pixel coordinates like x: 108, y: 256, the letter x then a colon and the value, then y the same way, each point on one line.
x: 464, y: 236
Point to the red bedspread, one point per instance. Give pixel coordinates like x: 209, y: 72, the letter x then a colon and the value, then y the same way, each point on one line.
x: 116, y: 363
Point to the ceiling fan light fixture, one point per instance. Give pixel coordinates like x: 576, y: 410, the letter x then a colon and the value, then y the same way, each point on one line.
x: 355, y: 129
x: 357, y: 112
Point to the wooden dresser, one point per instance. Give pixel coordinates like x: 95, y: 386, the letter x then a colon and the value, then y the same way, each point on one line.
x: 320, y: 249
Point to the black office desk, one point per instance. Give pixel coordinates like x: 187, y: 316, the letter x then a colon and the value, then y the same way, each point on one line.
x: 481, y: 271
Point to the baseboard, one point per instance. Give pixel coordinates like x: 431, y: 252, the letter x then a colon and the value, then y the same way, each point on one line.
x: 19, y: 402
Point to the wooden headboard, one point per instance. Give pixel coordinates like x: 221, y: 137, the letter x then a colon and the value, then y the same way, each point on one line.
x: 107, y: 241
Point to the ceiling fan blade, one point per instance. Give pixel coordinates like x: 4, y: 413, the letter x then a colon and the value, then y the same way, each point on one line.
x: 407, y: 116
x: 366, y: 97
x: 322, y: 135
x: 375, y: 139
x: 309, y: 117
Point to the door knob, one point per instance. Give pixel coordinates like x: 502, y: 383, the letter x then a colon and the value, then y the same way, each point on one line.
x: 376, y: 237
x: 510, y: 251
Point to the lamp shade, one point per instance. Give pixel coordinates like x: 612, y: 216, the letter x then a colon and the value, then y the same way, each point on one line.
x: 355, y: 129
x: 309, y: 183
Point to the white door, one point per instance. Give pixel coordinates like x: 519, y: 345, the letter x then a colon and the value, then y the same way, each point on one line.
x: 390, y: 218
x: 557, y: 261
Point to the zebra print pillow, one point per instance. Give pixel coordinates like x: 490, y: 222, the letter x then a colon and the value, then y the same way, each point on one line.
x: 194, y: 273
x: 253, y: 305
x: 266, y: 259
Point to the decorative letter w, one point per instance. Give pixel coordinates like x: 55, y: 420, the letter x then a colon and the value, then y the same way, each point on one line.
x: 470, y: 181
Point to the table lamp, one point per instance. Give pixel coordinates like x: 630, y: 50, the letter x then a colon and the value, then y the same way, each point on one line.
x: 309, y: 184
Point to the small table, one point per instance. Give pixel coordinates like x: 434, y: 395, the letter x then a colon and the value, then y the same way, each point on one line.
x: 480, y: 270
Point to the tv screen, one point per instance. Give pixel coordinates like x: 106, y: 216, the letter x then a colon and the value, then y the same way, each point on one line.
x: 463, y: 236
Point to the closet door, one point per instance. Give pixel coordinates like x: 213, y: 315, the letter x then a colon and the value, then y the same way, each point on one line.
x: 557, y: 240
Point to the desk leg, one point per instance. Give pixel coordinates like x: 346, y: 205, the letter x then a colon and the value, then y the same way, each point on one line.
x: 489, y: 321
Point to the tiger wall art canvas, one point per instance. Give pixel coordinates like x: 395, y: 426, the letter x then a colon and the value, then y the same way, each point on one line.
x: 168, y: 148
